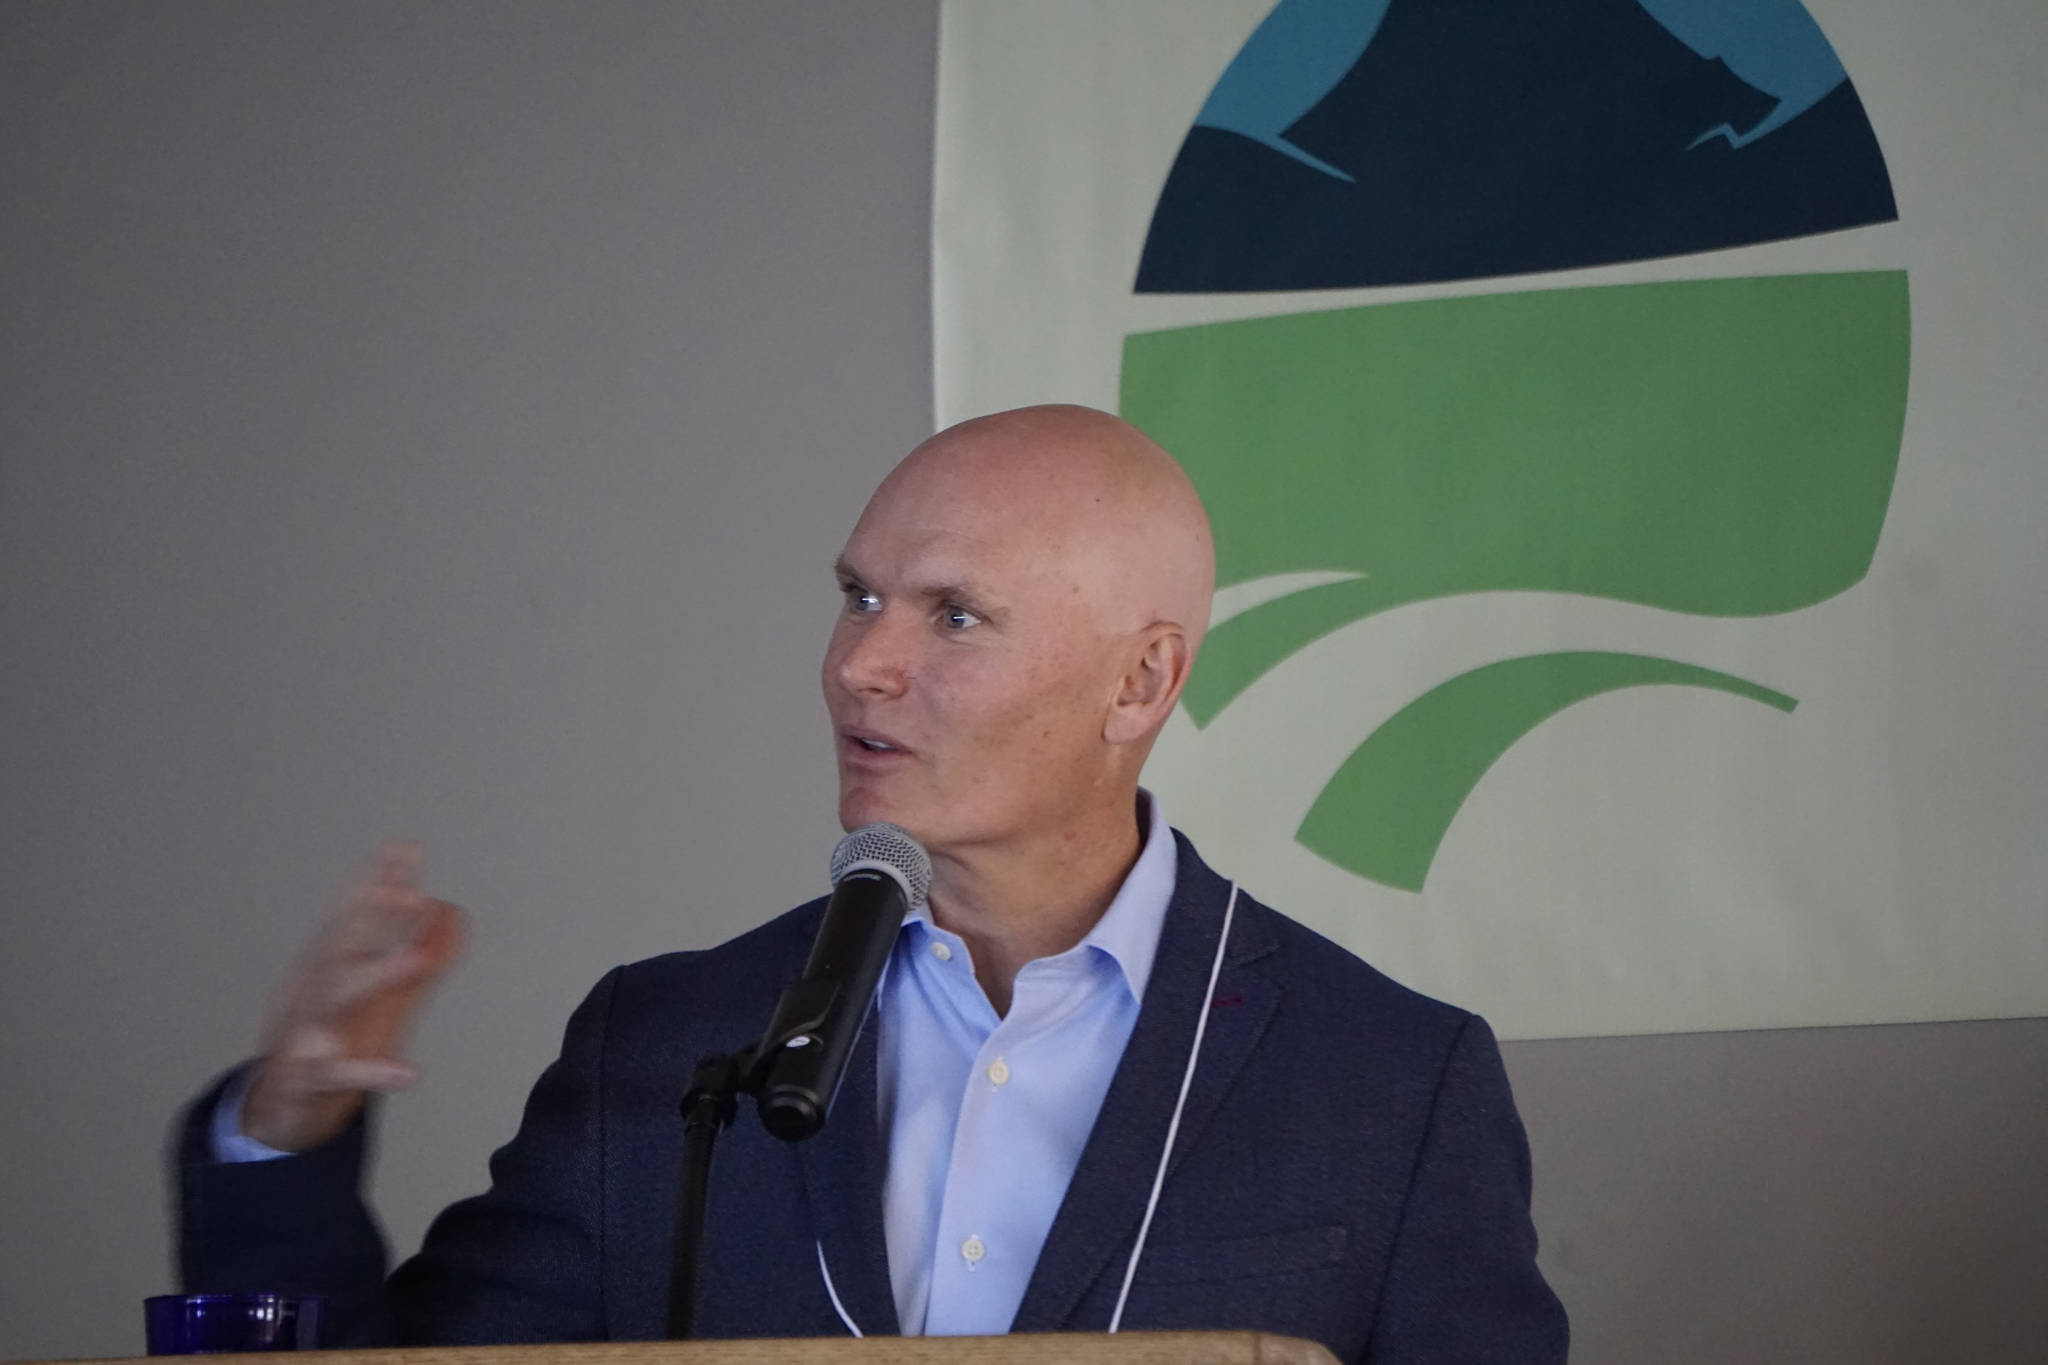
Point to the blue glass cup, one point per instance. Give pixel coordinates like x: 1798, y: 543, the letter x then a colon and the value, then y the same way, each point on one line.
x: 205, y: 1324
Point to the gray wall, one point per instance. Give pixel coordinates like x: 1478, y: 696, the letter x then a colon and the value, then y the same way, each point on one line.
x: 440, y: 420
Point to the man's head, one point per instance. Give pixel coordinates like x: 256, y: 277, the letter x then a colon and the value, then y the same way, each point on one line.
x: 1025, y: 594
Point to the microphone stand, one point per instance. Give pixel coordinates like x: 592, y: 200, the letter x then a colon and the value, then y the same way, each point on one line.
x: 708, y: 1108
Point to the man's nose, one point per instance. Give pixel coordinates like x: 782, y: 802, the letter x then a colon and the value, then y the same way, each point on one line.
x: 874, y: 656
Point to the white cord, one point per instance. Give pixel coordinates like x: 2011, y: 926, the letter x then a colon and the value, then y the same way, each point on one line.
x: 837, y: 1306
x: 1187, y: 1079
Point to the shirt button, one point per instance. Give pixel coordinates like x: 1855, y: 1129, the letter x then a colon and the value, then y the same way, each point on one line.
x: 998, y: 1071
x: 972, y: 1250
x: 941, y: 951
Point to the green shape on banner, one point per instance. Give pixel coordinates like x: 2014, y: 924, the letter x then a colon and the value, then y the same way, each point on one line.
x: 1387, y: 809
x: 1725, y: 447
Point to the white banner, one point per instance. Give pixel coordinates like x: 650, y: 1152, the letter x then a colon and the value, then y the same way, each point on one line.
x: 1622, y: 423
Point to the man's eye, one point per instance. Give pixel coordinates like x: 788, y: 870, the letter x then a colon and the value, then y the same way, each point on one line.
x: 859, y: 598
x: 958, y: 618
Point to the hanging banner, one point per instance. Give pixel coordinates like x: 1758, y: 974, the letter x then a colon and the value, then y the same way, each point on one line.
x: 1621, y: 424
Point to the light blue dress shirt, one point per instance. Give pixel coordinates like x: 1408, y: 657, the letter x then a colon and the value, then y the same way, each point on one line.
x: 984, y: 1118
x: 230, y: 1143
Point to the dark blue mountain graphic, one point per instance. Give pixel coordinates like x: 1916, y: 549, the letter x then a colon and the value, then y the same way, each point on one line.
x: 1376, y: 142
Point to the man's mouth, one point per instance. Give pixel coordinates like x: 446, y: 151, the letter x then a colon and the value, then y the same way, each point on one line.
x: 869, y: 742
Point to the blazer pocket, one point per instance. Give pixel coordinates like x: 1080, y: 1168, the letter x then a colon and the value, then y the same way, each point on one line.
x: 1243, y: 1258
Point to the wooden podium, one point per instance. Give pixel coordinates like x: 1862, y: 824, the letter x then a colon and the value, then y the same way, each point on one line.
x: 1076, y: 1348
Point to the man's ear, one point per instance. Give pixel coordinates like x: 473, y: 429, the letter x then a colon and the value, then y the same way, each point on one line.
x: 1153, y: 676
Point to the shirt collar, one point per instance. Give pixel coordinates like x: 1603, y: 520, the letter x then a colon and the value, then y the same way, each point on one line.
x: 1129, y: 929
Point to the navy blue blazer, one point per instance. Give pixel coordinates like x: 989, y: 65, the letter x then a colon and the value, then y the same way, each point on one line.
x: 1349, y: 1168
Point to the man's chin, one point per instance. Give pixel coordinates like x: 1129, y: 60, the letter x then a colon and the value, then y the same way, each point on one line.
x: 868, y: 807
x: 864, y: 806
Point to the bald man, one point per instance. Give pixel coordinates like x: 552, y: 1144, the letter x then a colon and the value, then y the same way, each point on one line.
x: 1102, y: 1087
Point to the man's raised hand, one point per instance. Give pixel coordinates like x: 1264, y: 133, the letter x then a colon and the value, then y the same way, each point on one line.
x: 337, y: 1028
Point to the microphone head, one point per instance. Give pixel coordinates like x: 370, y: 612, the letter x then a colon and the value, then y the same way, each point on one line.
x: 889, y: 849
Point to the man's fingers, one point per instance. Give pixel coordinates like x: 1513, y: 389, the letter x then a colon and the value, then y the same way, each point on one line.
x: 338, y: 986
x: 364, y: 1003
x: 386, y: 907
x: 340, y: 1074
x: 434, y: 941
x: 440, y: 934
x: 393, y: 870
x: 300, y: 1079
x: 295, y: 1105
x: 397, y: 863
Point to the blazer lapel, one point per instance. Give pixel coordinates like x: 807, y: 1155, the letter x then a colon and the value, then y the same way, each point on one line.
x: 843, y: 1167
x: 1107, y: 1196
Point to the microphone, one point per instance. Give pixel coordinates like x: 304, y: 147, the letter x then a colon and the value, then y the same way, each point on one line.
x: 878, y: 873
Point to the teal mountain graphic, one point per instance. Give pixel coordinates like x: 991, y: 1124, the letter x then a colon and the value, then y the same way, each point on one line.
x: 1720, y: 447
x: 1369, y: 142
